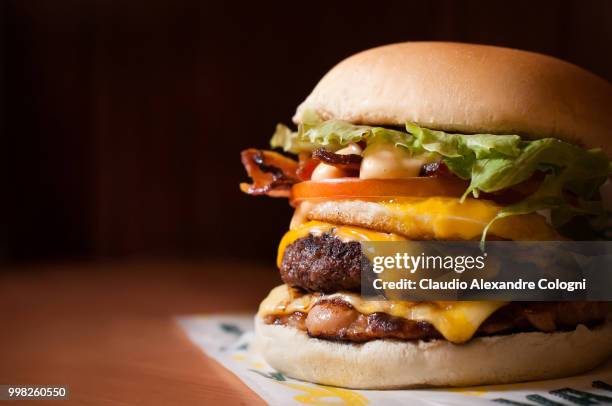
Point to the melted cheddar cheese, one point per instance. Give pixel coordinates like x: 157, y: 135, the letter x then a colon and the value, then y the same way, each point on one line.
x: 456, y: 321
x: 447, y: 218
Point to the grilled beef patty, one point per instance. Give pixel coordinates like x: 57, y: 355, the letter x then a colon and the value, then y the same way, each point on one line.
x: 337, y: 320
x: 322, y: 264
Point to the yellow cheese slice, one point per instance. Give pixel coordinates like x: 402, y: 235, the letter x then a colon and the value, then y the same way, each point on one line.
x: 444, y: 218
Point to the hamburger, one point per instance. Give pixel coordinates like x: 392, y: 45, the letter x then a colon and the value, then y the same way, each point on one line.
x: 433, y: 141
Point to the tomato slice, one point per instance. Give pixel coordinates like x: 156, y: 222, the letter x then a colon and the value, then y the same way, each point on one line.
x: 346, y: 188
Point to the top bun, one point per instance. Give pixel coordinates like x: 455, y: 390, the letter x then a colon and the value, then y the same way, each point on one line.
x: 467, y: 88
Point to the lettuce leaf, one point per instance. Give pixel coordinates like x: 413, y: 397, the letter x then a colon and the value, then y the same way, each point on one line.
x: 333, y: 135
x: 497, y: 162
x: 288, y: 140
x: 294, y: 141
x: 569, y: 169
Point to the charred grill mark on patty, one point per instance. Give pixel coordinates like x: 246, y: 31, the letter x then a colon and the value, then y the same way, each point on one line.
x: 322, y: 263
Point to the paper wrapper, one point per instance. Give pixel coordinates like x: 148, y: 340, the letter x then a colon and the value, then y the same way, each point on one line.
x: 228, y: 338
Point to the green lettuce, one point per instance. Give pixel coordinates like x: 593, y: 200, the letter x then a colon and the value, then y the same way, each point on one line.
x: 289, y: 141
x: 490, y: 162
x: 332, y: 135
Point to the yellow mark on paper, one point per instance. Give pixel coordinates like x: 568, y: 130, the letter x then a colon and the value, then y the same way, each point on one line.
x: 321, y: 395
x: 238, y: 357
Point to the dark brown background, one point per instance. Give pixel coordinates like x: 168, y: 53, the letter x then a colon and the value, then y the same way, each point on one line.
x: 123, y: 120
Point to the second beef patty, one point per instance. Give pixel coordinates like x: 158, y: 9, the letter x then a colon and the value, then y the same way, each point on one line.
x: 322, y: 264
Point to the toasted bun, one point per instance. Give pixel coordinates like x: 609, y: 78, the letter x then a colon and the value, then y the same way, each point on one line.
x: 387, y: 364
x: 467, y: 88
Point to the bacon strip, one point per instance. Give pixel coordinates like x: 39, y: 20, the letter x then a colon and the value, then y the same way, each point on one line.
x: 273, y: 174
x: 349, y: 162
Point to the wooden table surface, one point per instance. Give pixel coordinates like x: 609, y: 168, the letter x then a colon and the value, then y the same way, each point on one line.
x: 107, y: 330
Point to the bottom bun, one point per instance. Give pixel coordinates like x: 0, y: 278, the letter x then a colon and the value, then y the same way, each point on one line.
x: 387, y: 364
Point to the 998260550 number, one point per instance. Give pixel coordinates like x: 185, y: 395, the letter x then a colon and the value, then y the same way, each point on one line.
x: 17, y: 392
